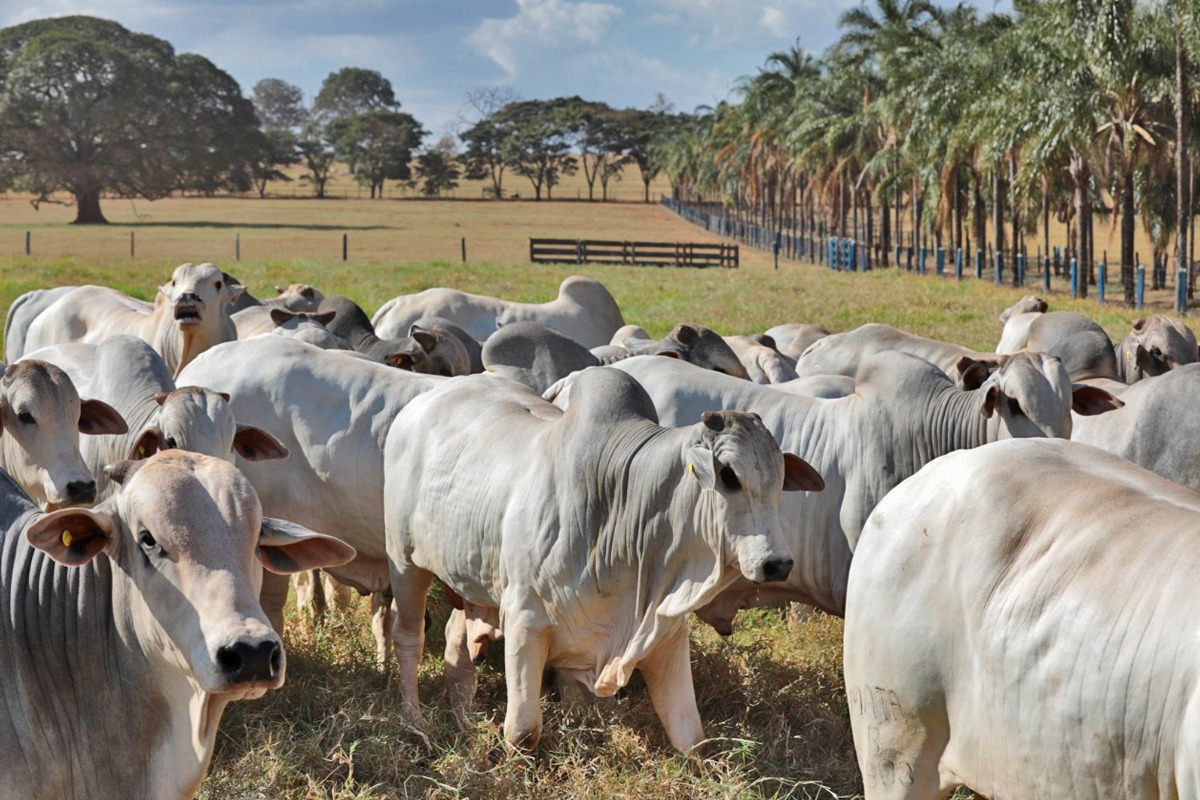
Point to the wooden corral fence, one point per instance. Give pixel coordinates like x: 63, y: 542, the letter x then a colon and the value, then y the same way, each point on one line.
x: 653, y: 254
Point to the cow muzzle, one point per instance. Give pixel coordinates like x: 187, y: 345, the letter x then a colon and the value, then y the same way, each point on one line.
x: 187, y: 309
x: 252, y: 663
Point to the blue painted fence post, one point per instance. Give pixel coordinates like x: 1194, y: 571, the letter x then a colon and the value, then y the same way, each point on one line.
x: 1101, y: 280
x: 1141, y: 286
x: 941, y: 261
x: 1074, y: 277
x: 921, y: 262
x: 999, y: 267
x: 864, y: 262
x: 1020, y: 269
x: 958, y: 259
x: 979, y: 263
x: 1046, y: 273
x: 898, y: 264
x: 1181, y: 291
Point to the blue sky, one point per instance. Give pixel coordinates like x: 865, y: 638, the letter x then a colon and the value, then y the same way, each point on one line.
x: 622, y: 52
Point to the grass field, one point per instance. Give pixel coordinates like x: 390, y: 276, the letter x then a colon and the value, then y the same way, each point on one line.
x: 771, y: 696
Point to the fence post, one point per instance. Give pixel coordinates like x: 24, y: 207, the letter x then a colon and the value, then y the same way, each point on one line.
x: 1046, y: 273
x: 778, y: 241
x: 1020, y: 267
x: 941, y: 261
x: 1101, y: 280
x: 958, y: 264
x: 979, y: 263
x: 579, y: 251
x: 28, y: 241
x: 921, y: 263
x: 1141, y: 286
x: 1074, y: 277
x: 999, y: 259
x: 1181, y: 290
x: 464, y: 249
x: 237, y: 246
x: 131, y: 244
x: 345, y: 245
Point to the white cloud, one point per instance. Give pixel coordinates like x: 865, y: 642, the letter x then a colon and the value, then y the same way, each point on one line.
x: 541, y: 25
x: 774, y: 21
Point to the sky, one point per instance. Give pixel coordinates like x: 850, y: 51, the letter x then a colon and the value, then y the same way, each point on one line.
x: 622, y: 52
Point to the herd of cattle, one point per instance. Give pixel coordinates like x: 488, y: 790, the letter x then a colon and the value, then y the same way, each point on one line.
x: 1020, y: 617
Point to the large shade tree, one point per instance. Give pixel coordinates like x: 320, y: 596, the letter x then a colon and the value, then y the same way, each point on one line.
x: 87, y: 107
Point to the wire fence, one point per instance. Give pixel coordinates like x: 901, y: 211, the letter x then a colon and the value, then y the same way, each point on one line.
x: 1049, y: 272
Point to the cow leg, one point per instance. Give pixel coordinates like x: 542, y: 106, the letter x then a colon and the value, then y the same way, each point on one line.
x: 383, y: 618
x: 667, y: 670
x: 338, y: 595
x: 272, y: 597
x: 310, y: 601
x: 460, y: 669
x: 525, y: 652
x: 408, y: 631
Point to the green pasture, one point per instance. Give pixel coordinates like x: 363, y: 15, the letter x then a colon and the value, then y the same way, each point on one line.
x: 771, y: 696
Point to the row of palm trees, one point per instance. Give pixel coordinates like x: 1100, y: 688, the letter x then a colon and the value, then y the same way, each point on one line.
x: 941, y: 118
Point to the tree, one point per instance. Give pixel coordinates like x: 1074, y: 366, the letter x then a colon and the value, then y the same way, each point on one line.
x: 318, y: 159
x: 352, y: 91
x: 379, y: 144
x: 280, y: 149
x: 280, y: 105
x: 438, y: 170
x: 596, y: 134
x: 87, y: 106
x: 537, y: 145
x: 642, y: 130
x: 485, y: 156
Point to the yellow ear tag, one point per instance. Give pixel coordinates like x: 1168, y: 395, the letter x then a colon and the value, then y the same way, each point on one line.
x: 141, y: 450
x: 691, y: 468
x: 67, y: 539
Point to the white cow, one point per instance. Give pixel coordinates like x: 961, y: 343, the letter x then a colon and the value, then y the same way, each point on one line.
x: 596, y: 548
x: 763, y: 364
x: 903, y: 413
x: 188, y: 316
x: 126, y: 373
x: 332, y: 411
x: 42, y: 416
x: 1021, y: 620
x: 305, y: 326
x: 119, y: 659
x: 584, y: 311
x: 844, y: 353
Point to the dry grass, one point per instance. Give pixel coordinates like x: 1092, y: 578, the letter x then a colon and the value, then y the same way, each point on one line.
x: 771, y: 697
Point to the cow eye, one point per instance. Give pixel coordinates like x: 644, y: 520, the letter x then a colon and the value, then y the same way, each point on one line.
x: 218, y: 286
x: 171, y: 444
x: 1014, y: 407
x: 26, y: 418
x: 147, y: 541
x: 730, y: 479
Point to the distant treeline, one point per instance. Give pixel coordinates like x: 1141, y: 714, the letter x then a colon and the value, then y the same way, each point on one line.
x: 942, y: 118
x: 89, y: 108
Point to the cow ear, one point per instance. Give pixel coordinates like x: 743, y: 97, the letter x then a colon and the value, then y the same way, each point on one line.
x: 989, y: 401
x: 1139, y: 324
x: 122, y: 471
x: 281, y: 316
x: 280, y: 289
x: 427, y: 340
x: 701, y: 466
x: 669, y: 354
x: 971, y: 372
x: 399, y: 360
x: 161, y: 397
x: 308, y: 292
x: 72, y: 536
x: 232, y: 286
x: 146, y: 445
x: 285, y: 547
x: 799, y: 475
x: 97, y: 417
x: 255, y: 444
x: 685, y: 334
x: 1087, y: 401
x: 325, y: 317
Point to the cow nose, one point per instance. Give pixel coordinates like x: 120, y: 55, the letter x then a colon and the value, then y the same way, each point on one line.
x: 777, y: 570
x: 188, y: 297
x: 81, y: 491
x: 251, y: 661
